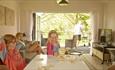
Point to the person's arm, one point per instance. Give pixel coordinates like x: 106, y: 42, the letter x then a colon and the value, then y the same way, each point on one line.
x: 40, y: 50
x: 81, y: 29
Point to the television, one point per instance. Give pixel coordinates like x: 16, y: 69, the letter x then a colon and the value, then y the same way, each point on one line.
x: 105, y: 35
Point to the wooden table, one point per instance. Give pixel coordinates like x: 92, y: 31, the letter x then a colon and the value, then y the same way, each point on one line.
x: 52, y: 63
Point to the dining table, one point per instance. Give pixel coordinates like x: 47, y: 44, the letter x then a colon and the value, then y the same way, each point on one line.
x: 49, y: 62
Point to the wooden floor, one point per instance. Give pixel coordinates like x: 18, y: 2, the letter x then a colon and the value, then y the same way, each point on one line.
x: 94, y: 63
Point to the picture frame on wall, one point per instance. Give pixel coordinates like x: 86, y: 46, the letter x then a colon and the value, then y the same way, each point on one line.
x: 105, y: 35
x: 2, y: 15
x: 7, y: 16
x: 10, y: 17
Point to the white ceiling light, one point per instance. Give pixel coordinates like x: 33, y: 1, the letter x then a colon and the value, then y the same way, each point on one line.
x: 63, y: 2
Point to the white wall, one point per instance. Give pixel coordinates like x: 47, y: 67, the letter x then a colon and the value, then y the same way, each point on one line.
x: 110, y: 17
x: 12, y: 4
x: 27, y: 7
x: 110, y: 22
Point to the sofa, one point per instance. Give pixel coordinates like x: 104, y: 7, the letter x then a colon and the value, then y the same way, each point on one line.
x: 98, y: 51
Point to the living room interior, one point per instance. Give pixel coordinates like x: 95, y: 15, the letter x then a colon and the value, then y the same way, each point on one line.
x: 102, y: 11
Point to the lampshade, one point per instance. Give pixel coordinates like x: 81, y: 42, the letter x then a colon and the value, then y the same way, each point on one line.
x: 63, y: 2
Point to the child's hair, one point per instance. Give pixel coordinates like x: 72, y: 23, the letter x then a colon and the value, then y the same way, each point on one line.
x: 51, y: 32
x: 19, y: 34
x: 9, y: 38
x: 49, y: 36
x: 36, y: 42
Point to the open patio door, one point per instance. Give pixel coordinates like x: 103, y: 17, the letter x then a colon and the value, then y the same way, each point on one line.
x: 36, y: 33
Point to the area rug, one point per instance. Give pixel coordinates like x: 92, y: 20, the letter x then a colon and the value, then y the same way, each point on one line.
x: 91, y: 67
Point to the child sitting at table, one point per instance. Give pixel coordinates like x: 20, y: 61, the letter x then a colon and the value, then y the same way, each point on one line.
x: 13, y: 59
x: 28, y: 46
x: 52, y: 43
x: 20, y: 44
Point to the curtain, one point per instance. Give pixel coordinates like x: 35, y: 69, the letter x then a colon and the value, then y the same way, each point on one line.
x: 34, y: 27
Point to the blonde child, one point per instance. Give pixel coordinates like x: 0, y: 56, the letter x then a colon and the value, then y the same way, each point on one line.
x: 52, y: 43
